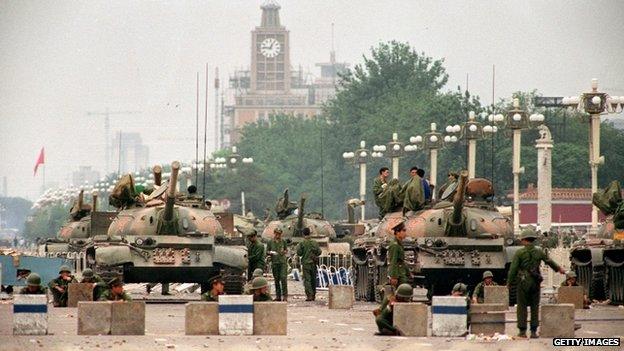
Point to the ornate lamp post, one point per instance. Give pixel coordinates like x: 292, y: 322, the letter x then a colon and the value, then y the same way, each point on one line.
x: 431, y: 142
x: 595, y: 103
x: 232, y: 161
x: 360, y: 156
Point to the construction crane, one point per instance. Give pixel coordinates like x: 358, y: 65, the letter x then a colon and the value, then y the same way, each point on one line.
x: 107, y: 113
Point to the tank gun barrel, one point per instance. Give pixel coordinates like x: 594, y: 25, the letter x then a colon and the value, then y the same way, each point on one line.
x: 171, y: 191
x: 95, y: 197
x: 300, y: 214
x: 157, y: 175
x: 455, y: 221
x: 80, y: 200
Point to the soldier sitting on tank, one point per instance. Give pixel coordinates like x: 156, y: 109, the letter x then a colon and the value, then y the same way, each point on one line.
x: 217, y: 287
x: 79, y: 210
x: 115, y: 292
x: 33, y: 285
x: 571, y: 281
x: 384, y: 316
x: 412, y: 194
x: 379, y: 186
x: 60, y: 284
x: 397, y: 269
x: 260, y: 289
x: 427, y: 192
x: 447, y: 190
x: 478, y: 294
x: 99, y: 285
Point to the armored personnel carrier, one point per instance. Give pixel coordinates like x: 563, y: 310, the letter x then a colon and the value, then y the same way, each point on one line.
x: 446, y: 243
x: 153, y: 240
x: 599, y: 262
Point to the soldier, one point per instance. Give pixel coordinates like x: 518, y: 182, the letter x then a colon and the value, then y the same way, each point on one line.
x: 308, y: 251
x: 525, y: 273
x: 571, y: 281
x: 479, y: 291
x: 217, y: 287
x: 99, y: 285
x: 425, y: 184
x: 256, y: 273
x: 115, y: 292
x: 260, y: 289
x: 379, y: 185
x: 459, y: 289
x: 384, y: 315
x: 397, y: 270
x: 33, y: 286
x: 277, y: 250
x: 255, y: 253
x: 59, y: 286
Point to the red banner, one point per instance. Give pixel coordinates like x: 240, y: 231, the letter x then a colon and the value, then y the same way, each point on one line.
x: 40, y: 161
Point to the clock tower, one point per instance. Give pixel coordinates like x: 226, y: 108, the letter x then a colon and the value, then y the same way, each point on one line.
x: 270, y: 53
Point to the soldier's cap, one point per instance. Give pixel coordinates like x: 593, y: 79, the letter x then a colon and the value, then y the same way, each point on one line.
x: 570, y: 274
x: 461, y: 287
x: 398, y: 227
x: 115, y: 282
x: 306, y: 231
x: 278, y: 230
x: 87, y: 273
x: 405, y: 291
x: 259, y: 283
x: 64, y: 268
x: 528, y: 233
x: 258, y: 272
x: 488, y: 274
x: 216, y: 279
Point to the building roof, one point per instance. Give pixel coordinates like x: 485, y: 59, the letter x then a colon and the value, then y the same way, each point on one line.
x: 530, y: 193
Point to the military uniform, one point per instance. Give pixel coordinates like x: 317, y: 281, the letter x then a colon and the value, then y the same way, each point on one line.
x: 109, y: 296
x: 308, y: 250
x: 208, y: 296
x: 279, y: 266
x: 33, y: 280
x: 262, y: 297
x: 396, y: 262
x: 479, y: 291
x: 60, y: 298
x: 255, y: 257
x: 378, y: 188
x: 384, y: 319
x: 100, y: 285
x: 524, y: 272
x: 40, y: 291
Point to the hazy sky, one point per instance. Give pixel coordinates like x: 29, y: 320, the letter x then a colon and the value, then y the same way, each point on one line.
x: 61, y: 59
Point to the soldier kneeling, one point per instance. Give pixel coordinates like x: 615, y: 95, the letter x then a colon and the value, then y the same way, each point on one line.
x: 115, y: 292
x: 571, y: 281
x: 217, y: 287
x: 384, y: 315
x: 33, y: 286
x: 260, y: 289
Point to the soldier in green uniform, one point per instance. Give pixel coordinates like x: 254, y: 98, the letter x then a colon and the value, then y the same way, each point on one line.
x: 33, y: 285
x: 60, y: 284
x: 277, y: 250
x: 571, y: 281
x: 255, y: 253
x: 379, y: 185
x: 260, y: 289
x: 217, y: 287
x: 308, y: 251
x: 99, y: 285
x: 115, y: 292
x: 524, y: 272
x: 256, y: 273
x: 479, y: 292
x: 384, y: 315
x: 397, y: 270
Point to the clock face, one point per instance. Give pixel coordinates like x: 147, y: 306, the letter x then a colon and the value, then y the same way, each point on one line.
x: 270, y: 47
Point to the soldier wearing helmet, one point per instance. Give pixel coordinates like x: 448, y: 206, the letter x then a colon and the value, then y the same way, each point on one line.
x: 384, y: 316
x: 524, y: 272
x: 60, y: 285
x: 571, y: 281
x: 479, y: 292
x: 33, y: 286
x: 260, y: 289
x: 99, y: 285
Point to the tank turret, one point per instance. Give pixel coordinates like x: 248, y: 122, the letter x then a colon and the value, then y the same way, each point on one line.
x: 455, y: 224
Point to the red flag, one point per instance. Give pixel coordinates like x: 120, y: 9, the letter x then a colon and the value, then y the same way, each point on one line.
x: 40, y: 161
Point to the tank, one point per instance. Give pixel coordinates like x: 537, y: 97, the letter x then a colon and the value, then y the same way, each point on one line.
x: 154, y: 240
x: 447, y: 242
x: 599, y: 261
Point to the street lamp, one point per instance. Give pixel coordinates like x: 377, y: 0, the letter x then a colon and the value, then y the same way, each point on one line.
x: 232, y: 161
x: 432, y: 141
x: 471, y: 131
x: 393, y: 150
x: 595, y: 103
x: 360, y: 156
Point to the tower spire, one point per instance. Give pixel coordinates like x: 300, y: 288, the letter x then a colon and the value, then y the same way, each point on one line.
x: 270, y: 14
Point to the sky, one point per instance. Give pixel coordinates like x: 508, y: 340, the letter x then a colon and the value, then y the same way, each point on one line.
x: 60, y: 60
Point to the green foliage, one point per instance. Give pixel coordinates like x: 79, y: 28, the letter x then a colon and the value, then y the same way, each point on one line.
x: 46, y: 221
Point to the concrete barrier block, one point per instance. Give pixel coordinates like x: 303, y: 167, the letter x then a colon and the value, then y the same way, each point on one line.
x: 236, y: 315
x: 79, y: 292
x: 6, y: 314
x: 496, y: 294
x: 30, y: 314
x: 341, y: 296
x: 449, y: 316
x: 557, y: 321
x: 487, y: 323
x: 571, y: 294
x: 411, y: 318
x: 488, y: 307
x: 270, y: 318
x: 94, y: 318
x: 128, y: 318
x: 201, y: 318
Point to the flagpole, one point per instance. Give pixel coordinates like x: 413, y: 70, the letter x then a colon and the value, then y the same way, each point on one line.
x: 43, y: 174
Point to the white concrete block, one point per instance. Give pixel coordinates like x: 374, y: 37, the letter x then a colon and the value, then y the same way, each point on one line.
x: 236, y: 314
x: 449, y: 316
x: 30, y: 314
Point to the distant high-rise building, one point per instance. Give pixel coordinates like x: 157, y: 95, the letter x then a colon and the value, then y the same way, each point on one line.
x: 129, y: 153
x: 85, y: 175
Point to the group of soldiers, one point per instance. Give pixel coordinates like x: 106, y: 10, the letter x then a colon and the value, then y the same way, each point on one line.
x: 59, y: 286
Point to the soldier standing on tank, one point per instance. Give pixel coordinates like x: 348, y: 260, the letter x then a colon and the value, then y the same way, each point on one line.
x: 99, y: 285
x: 524, y: 272
x: 397, y: 270
x: 255, y: 253
x: 217, y: 287
x: 260, y: 289
x: 33, y: 286
x: 478, y: 294
x: 60, y: 285
x: 277, y: 250
x: 115, y: 292
x: 379, y: 185
x: 308, y: 251
x: 384, y: 315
